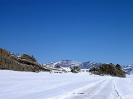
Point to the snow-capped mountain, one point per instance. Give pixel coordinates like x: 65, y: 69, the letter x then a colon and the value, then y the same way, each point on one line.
x: 89, y: 64
x: 85, y: 65
x: 69, y: 63
x: 128, y: 69
x: 64, y: 63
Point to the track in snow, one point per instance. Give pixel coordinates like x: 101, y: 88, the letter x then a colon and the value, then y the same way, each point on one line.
x: 24, y: 85
x: 103, y: 89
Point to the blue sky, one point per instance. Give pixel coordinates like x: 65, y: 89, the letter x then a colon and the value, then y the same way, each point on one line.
x: 79, y: 30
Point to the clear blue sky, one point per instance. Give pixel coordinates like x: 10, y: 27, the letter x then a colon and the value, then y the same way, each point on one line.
x: 79, y: 30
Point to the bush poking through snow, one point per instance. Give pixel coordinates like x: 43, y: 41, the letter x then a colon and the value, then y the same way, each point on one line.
x: 75, y: 69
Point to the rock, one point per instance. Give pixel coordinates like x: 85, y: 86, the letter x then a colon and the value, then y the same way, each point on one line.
x: 29, y: 58
x: 4, y: 52
x: 10, y: 67
x: 19, y: 63
x: 21, y: 68
x: 30, y: 68
x: 13, y: 57
x: 25, y: 68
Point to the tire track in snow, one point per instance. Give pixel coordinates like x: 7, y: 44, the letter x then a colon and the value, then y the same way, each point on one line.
x: 78, y: 90
x: 116, y: 90
x: 122, y: 89
x: 100, y: 90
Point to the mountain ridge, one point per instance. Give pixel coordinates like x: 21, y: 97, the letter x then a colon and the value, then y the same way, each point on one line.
x: 86, y: 65
x: 26, y: 62
x: 70, y: 63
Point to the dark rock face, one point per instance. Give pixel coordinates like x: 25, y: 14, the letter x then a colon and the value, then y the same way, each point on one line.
x: 27, y: 57
x: 23, y: 63
x: 4, y: 52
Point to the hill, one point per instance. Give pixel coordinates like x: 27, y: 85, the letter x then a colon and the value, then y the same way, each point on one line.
x: 23, y: 62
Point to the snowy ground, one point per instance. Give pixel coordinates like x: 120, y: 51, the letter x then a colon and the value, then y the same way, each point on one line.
x: 28, y: 85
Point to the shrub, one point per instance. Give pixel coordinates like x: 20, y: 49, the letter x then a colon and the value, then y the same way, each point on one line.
x: 108, y: 69
x: 75, y: 69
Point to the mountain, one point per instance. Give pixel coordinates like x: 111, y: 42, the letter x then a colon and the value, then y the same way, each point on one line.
x: 69, y: 63
x: 64, y: 63
x: 89, y: 64
x: 25, y: 62
x: 84, y: 65
x: 128, y: 69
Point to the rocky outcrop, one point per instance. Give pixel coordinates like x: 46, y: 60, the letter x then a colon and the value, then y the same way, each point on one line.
x: 4, y: 52
x: 27, y: 57
x: 23, y: 63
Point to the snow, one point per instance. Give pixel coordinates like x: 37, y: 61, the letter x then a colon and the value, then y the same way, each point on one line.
x: 44, y: 85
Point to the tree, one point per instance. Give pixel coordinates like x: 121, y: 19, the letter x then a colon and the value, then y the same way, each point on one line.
x: 118, y: 67
x: 57, y: 66
x: 108, y: 69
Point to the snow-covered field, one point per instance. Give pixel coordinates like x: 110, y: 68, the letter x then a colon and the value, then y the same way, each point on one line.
x: 28, y: 85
